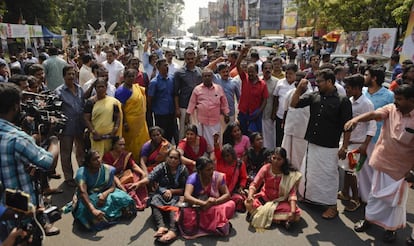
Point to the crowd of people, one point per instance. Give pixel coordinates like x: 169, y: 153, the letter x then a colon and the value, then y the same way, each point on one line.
x: 219, y: 135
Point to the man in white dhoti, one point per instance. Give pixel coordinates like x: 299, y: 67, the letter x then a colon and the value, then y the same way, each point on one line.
x: 328, y: 113
x: 392, y: 163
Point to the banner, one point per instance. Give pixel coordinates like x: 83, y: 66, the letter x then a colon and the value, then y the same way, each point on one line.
x: 407, y: 51
x: 352, y: 40
x: 289, y: 19
x: 381, y: 41
x: 8, y: 30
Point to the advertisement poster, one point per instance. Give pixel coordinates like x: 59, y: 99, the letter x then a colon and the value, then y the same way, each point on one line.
x: 407, y: 51
x: 381, y: 41
x: 352, y: 40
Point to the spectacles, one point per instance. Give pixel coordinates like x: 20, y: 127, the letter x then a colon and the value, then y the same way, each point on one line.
x: 318, y: 81
x: 173, y: 157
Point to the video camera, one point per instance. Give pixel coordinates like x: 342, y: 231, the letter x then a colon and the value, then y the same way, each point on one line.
x: 46, y: 111
x: 19, y: 202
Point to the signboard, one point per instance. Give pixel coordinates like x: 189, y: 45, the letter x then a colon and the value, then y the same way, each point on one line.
x: 352, y: 40
x: 231, y: 30
x: 8, y: 30
x: 381, y: 41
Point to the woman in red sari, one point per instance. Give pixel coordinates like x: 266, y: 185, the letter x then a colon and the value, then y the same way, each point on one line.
x: 234, y: 170
x: 155, y: 150
x: 276, y: 201
x: 123, y: 161
x: 210, y: 204
x: 193, y: 147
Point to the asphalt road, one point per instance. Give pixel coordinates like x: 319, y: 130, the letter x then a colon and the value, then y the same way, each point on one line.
x: 310, y: 230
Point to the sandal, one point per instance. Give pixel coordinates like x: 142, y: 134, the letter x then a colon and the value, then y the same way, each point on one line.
x: 161, y: 231
x: 330, y: 213
x: 342, y: 197
x: 167, y: 238
x: 353, y: 205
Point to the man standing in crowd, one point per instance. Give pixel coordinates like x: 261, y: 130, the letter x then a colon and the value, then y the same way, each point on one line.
x: 161, y: 100
x: 18, y: 149
x: 185, y: 79
x: 379, y: 96
x: 85, y: 72
x: 279, y: 98
x: 210, y: 102
x: 73, y: 102
x: 268, y: 123
x: 114, y: 67
x: 253, y: 96
x: 328, y: 114
x: 172, y: 66
x: 277, y: 71
x: 392, y: 163
x: 53, y: 69
x: 312, y: 70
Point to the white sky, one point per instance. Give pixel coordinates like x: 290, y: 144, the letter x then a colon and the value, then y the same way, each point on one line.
x: 190, y: 13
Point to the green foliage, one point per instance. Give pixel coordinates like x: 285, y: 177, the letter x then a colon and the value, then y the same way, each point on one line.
x: 354, y: 15
x: 68, y: 14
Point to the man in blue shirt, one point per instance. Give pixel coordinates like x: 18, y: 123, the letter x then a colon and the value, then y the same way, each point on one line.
x: 161, y: 100
x: 73, y: 102
x: 17, y: 149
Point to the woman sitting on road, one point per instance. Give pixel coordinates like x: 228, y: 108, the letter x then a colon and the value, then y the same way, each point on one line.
x: 193, y: 147
x: 98, y: 204
x: 233, y: 135
x: 171, y: 176
x: 256, y: 156
x: 276, y: 201
x: 127, y: 172
x: 155, y: 150
x: 234, y: 170
x: 210, y: 204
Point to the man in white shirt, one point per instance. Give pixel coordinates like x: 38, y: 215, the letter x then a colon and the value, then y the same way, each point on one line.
x: 172, y: 66
x: 340, y: 73
x: 85, y: 72
x: 114, y: 67
x: 279, y: 98
x: 268, y: 123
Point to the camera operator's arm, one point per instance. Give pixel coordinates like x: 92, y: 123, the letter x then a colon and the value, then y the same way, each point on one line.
x: 83, y: 190
x: 14, y: 234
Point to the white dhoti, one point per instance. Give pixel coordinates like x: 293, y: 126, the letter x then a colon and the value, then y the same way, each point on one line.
x: 269, y: 133
x: 365, y: 176
x: 182, y: 125
x: 387, y: 202
x: 208, y: 132
x: 295, y: 149
x: 320, y: 180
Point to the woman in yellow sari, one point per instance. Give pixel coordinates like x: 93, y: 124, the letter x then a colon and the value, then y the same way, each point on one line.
x: 103, y: 117
x: 133, y: 99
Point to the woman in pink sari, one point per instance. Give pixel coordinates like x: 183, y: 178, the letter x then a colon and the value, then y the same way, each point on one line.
x: 123, y: 161
x: 210, y: 206
x: 276, y: 201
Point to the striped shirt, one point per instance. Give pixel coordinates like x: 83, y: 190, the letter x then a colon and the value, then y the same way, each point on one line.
x: 17, y: 150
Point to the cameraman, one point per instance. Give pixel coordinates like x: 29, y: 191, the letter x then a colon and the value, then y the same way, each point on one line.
x: 8, y: 214
x: 18, y: 149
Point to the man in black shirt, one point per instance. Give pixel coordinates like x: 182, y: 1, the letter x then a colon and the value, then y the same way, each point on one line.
x: 329, y: 111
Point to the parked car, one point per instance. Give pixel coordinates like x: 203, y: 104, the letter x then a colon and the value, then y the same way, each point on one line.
x: 181, y: 45
x: 230, y: 45
x: 264, y: 52
x: 169, y: 44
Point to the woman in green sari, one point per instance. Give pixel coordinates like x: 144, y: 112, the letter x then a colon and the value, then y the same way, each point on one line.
x: 97, y: 203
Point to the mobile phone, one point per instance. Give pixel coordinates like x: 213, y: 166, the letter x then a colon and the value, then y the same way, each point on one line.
x: 17, y: 200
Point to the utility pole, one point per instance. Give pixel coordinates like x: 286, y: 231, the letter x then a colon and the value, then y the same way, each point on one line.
x: 130, y: 20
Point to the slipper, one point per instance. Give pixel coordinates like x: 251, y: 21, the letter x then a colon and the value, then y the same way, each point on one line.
x: 167, y: 238
x: 330, y: 213
x: 354, y: 205
x: 342, y: 197
x: 160, y: 232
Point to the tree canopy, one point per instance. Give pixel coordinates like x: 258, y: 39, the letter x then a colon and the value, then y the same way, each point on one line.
x: 68, y: 14
x: 354, y: 15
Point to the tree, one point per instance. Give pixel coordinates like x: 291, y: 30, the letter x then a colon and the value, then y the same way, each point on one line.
x: 355, y: 15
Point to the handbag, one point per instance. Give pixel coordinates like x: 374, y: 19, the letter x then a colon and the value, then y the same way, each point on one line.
x: 127, y: 177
